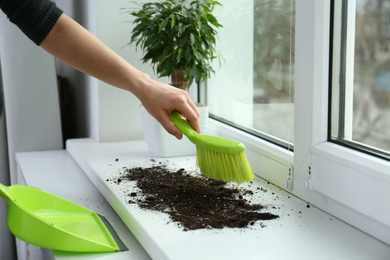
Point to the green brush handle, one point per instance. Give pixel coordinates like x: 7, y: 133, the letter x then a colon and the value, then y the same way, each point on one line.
x: 212, y: 143
x: 183, y: 125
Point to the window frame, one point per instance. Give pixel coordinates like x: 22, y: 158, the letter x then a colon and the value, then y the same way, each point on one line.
x: 349, y: 184
x: 341, y: 126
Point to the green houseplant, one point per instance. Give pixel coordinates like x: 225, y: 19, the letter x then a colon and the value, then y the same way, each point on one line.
x: 178, y: 37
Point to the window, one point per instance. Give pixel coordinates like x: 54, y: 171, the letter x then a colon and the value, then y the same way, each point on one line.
x: 322, y: 169
x: 253, y: 87
x: 360, y: 111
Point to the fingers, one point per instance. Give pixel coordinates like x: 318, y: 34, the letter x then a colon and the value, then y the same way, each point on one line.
x: 190, y: 112
x: 193, y: 106
x: 170, y: 127
x: 187, y: 110
x: 162, y: 99
x: 191, y: 115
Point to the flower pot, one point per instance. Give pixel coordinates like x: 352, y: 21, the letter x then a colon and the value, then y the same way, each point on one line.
x: 163, y: 144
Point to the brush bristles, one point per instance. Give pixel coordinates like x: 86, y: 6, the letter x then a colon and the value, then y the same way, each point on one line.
x: 224, y: 166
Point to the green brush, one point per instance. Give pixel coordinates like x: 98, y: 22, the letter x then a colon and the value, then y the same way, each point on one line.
x: 218, y: 158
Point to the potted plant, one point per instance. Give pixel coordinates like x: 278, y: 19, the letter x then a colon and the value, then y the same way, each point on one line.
x: 178, y: 38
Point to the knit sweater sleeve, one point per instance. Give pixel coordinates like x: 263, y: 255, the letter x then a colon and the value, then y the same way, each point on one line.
x: 35, y: 18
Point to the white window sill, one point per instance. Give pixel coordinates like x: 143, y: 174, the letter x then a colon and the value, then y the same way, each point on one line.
x: 300, y: 232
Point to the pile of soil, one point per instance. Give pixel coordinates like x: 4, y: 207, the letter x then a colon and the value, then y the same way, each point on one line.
x: 195, y: 202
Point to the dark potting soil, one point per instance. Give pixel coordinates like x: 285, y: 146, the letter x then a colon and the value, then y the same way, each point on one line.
x: 194, y: 202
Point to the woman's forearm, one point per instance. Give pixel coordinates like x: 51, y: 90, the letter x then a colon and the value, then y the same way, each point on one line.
x: 74, y: 45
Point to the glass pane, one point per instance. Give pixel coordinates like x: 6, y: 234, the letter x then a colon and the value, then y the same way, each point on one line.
x: 361, y: 101
x: 252, y: 89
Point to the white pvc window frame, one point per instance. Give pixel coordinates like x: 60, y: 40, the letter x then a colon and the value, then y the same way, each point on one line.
x: 351, y: 185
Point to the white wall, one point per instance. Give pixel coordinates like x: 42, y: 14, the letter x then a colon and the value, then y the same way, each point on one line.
x: 31, y: 96
x: 118, y: 110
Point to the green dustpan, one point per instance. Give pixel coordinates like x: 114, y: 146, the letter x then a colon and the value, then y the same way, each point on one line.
x: 49, y: 221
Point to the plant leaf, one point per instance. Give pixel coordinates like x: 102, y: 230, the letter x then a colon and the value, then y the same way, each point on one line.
x: 192, y: 39
x: 182, y: 28
x: 173, y: 21
x: 162, y: 25
x: 178, y: 57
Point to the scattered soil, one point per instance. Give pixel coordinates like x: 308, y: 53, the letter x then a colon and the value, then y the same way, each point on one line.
x: 194, y: 202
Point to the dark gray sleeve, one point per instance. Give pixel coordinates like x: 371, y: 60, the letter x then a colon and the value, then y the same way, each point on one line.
x: 35, y: 18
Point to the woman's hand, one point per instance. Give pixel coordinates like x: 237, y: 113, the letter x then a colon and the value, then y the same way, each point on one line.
x: 161, y: 99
